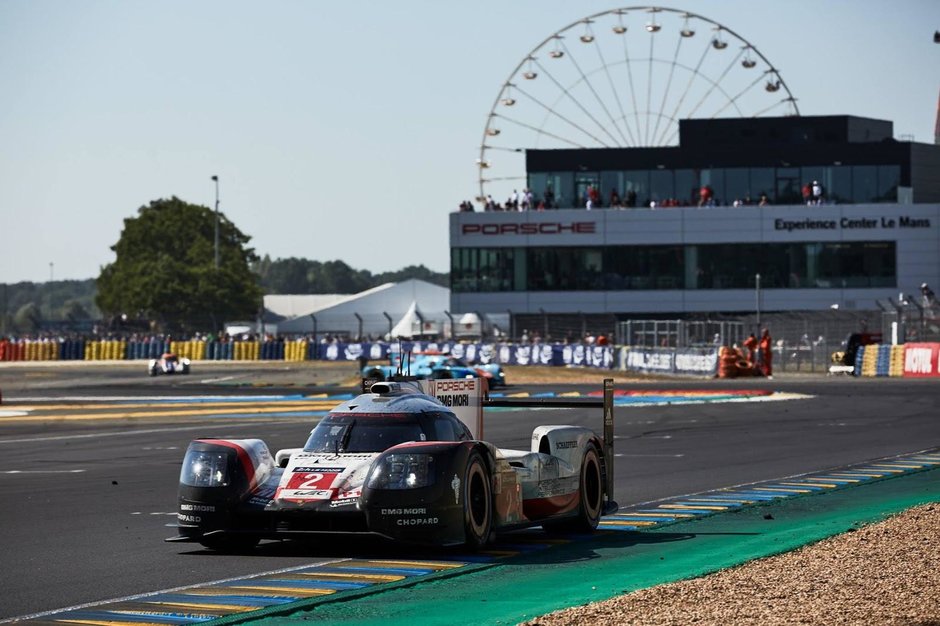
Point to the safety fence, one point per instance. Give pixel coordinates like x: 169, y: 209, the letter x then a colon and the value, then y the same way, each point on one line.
x: 302, y: 350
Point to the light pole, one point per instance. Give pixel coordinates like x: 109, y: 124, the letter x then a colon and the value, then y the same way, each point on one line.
x: 757, y: 299
x: 216, y: 180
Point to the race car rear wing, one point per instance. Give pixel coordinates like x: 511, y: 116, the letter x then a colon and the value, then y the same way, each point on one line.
x: 606, y: 402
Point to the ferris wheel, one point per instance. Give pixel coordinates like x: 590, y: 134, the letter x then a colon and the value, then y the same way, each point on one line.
x: 623, y: 79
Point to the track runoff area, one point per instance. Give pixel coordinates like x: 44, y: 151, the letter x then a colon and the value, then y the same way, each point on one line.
x: 274, y: 595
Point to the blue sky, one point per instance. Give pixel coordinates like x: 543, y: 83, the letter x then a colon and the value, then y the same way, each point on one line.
x: 341, y: 130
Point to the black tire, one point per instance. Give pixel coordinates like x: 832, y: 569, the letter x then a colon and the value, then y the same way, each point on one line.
x: 230, y: 544
x: 591, y: 497
x: 376, y: 375
x: 477, y: 502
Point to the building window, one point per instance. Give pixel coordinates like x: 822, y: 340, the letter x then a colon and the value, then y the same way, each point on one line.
x: 474, y: 270
x: 864, y: 184
x: 636, y: 188
x: 889, y: 177
x: 828, y: 265
x: 738, y: 186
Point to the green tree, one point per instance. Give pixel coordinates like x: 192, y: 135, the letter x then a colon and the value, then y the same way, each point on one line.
x: 73, y: 312
x: 27, y: 318
x: 294, y: 276
x: 165, y: 269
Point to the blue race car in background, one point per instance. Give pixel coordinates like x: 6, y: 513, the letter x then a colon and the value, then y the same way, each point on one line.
x: 438, y: 366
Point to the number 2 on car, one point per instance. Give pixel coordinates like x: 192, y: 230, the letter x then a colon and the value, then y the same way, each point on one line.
x: 313, y: 480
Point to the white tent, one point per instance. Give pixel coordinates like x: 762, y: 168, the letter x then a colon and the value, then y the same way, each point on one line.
x: 376, y: 309
x: 405, y: 328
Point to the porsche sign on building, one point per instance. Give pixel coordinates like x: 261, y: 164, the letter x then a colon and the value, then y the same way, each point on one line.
x: 684, y: 230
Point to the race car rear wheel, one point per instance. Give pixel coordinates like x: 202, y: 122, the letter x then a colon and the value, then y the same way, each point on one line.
x: 230, y: 543
x: 477, y: 502
x: 592, y: 491
x: 590, y: 496
x: 375, y: 375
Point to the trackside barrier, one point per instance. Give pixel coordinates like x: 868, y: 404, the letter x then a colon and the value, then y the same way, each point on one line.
x: 869, y: 360
x: 106, y: 350
x: 878, y: 360
x: 674, y: 361
x: 696, y: 362
x: 896, y: 367
x: 921, y: 360
x: 194, y: 350
x: 295, y: 350
x: 859, y: 357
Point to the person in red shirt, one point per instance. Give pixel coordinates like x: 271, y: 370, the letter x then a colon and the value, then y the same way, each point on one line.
x: 705, y: 195
x: 765, y: 354
x: 751, y: 345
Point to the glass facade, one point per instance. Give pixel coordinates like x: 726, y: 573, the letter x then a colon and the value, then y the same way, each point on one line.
x: 861, y: 264
x: 843, y: 184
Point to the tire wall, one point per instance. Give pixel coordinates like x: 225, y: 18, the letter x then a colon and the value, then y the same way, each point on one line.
x: 909, y: 360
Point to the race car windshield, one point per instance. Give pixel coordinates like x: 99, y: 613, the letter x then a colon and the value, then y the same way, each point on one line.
x: 356, y: 433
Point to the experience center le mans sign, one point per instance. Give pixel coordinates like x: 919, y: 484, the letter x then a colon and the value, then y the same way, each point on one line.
x: 901, y: 221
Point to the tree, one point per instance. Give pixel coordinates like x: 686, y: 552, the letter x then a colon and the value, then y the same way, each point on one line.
x: 294, y: 276
x: 73, y: 312
x: 165, y: 269
x: 27, y: 318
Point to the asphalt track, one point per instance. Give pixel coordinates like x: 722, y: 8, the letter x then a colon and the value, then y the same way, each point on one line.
x: 85, y: 501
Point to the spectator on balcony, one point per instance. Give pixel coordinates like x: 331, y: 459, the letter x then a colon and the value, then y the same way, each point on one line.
x: 615, y: 200
x: 818, y: 193
x: 706, y: 196
x: 549, y: 196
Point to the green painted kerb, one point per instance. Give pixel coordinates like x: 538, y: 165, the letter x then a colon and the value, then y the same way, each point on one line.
x: 588, y: 571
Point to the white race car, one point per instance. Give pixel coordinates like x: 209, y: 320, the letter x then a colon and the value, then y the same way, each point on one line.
x: 405, y: 462
x: 169, y: 363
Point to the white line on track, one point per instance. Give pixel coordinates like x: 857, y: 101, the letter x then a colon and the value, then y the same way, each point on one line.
x: 671, y: 456
x: 71, y: 471
x: 216, y: 380
x: 128, y: 432
x: 173, y: 590
x: 18, y: 399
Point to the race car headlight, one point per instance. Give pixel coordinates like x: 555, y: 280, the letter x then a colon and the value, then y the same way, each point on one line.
x: 205, y: 469
x: 402, y: 471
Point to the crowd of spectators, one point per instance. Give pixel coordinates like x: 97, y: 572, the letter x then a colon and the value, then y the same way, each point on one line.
x: 594, y: 199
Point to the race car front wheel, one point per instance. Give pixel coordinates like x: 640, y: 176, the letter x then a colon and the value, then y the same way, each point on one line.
x: 477, y: 502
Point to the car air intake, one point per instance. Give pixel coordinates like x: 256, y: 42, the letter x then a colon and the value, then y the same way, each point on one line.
x: 386, y: 388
